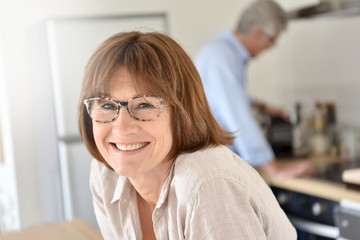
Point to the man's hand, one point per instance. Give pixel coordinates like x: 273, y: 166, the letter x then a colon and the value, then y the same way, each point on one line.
x: 285, y: 170
x: 276, y: 112
x: 270, y: 110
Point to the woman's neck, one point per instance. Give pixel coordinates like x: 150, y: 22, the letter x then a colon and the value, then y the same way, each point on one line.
x: 149, y: 185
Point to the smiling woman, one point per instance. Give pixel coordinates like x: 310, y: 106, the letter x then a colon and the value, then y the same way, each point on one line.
x: 161, y: 170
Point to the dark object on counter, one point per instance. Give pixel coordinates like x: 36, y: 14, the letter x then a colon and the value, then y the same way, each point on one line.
x: 280, y: 137
x: 332, y: 129
x: 338, y: 172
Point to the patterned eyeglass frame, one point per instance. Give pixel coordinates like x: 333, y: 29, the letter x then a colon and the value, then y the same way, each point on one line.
x: 124, y: 104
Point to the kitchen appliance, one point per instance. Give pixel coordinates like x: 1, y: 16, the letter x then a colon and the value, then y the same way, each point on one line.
x: 349, y: 219
x: 314, y: 218
x: 327, y: 8
x: 279, y: 134
x: 318, y: 218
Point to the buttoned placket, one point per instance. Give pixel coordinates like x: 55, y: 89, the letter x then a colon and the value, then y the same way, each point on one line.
x: 159, y: 218
x: 127, y: 209
x: 159, y: 223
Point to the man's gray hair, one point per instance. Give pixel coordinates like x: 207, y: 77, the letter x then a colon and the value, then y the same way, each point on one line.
x: 265, y: 14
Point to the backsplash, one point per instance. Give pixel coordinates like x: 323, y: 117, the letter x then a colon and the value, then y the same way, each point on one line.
x: 314, y: 60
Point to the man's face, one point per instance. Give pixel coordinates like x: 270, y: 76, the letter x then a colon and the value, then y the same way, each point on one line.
x: 263, y: 42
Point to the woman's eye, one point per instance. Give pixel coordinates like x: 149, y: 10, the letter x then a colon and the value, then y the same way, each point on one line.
x: 144, y: 105
x: 108, y: 106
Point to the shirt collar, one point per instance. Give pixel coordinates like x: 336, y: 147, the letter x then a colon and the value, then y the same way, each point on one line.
x: 236, y: 44
x: 166, y: 187
x: 123, y: 187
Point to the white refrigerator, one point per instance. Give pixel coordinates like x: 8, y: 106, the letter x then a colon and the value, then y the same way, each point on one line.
x: 71, y: 42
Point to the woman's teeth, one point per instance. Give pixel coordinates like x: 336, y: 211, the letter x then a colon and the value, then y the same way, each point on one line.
x: 130, y: 147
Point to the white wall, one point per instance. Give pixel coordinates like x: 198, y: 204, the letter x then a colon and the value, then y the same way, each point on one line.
x: 9, y: 214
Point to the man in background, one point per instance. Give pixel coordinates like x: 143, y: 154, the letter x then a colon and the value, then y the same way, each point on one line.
x: 222, y: 65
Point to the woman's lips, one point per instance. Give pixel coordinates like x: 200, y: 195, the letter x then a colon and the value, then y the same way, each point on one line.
x: 130, y: 147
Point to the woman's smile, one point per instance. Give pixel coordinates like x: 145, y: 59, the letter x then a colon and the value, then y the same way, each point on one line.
x: 130, y: 147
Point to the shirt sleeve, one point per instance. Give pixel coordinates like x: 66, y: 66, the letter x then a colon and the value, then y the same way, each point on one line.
x: 233, y: 213
x: 97, y: 194
x: 223, y: 83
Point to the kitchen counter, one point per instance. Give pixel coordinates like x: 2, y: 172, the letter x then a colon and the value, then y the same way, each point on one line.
x: 316, y: 186
x: 76, y: 229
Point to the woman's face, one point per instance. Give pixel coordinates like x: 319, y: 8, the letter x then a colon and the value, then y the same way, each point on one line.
x: 148, y: 142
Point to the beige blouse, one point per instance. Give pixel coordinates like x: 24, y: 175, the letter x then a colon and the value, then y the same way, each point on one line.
x: 209, y: 194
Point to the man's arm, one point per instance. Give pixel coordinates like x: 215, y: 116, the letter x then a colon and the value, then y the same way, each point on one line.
x: 270, y: 109
x: 284, y: 170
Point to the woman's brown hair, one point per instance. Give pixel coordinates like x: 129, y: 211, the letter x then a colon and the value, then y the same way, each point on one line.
x: 158, y: 66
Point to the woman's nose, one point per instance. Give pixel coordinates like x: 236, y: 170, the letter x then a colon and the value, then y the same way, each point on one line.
x: 124, y: 121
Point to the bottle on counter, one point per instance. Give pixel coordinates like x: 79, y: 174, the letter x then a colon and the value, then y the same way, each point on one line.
x: 332, y: 129
x: 300, y: 133
x: 319, y: 140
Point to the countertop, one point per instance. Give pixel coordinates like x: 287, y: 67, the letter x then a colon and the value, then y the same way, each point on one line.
x: 315, y: 186
x: 76, y: 229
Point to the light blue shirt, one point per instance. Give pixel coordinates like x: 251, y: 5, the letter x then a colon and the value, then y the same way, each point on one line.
x: 222, y: 65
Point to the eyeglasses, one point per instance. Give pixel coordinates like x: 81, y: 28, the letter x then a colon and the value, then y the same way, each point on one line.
x: 142, y: 108
x: 271, y: 39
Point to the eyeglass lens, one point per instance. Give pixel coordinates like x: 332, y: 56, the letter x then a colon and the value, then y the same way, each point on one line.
x: 143, y: 108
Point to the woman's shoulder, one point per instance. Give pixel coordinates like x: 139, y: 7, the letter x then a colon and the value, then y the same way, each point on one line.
x: 215, y: 168
x: 213, y: 162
